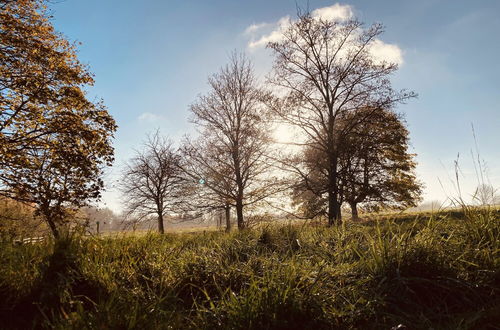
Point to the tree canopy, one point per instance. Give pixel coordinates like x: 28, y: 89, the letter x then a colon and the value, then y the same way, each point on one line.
x: 54, y: 141
x: 376, y: 168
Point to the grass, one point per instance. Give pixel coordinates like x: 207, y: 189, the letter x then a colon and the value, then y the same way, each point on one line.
x: 438, y: 271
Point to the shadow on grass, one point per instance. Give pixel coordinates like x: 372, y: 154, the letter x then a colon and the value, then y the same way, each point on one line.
x: 60, y: 289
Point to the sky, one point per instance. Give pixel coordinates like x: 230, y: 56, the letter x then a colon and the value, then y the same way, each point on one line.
x: 151, y: 59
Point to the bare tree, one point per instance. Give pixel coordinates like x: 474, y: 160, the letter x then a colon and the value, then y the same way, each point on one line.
x: 230, y: 156
x: 324, y: 68
x: 152, y: 182
x: 210, y: 187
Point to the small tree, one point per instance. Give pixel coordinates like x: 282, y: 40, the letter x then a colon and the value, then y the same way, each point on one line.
x: 63, y: 171
x: 152, y: 181
x: 209, y: 188
x: 231, y: 153
x: 99, y: 218
x: 310, y: 184
x: 375, y: 166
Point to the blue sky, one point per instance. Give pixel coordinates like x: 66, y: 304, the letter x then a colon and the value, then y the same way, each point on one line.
x: 151, y: 59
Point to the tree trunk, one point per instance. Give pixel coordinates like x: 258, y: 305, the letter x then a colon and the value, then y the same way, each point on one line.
x: 332, y: 208
x: 161, y: 228
x: 228, y: 218
x: 239, y: 214
x: 333, y: 203
x: 354, y: 210
x: 47, y: 214
x: 52, y: 226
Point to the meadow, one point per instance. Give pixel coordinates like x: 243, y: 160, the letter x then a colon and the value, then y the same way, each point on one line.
x: 421, y: 271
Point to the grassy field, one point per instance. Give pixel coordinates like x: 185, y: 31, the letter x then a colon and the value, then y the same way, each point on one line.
x: 424, y: 271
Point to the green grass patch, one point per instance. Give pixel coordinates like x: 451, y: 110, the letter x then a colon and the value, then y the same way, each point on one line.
x: 437, y: 271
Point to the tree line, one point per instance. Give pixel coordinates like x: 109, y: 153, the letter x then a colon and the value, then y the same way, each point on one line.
x: 325, y: 82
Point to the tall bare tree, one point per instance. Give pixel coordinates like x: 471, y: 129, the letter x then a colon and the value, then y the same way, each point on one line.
x: 152, y: 181
x: 230, y: 156
x: 323, y: 68
x: 209, y: 188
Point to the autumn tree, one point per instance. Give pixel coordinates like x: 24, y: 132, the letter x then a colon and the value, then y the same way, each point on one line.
x: 17, y: 220
x: 152, y: 182
x: 230, y: 155
x: 64, y: 172
x: 54, y: 142
x: 40, y: 77
x: 375, y: 166
x: 322, y: 69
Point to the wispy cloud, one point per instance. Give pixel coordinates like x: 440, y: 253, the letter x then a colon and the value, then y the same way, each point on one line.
x: 274, y: 31
x: 255, y: 27
x: 262, y: 33
x: 150, y: 117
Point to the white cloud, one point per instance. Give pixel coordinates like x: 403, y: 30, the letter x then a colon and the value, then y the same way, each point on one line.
x: 336, y: 12
x: 263, y: 33
x: 275, y: 35
x: 149, y: 117
x: 386, y: 52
